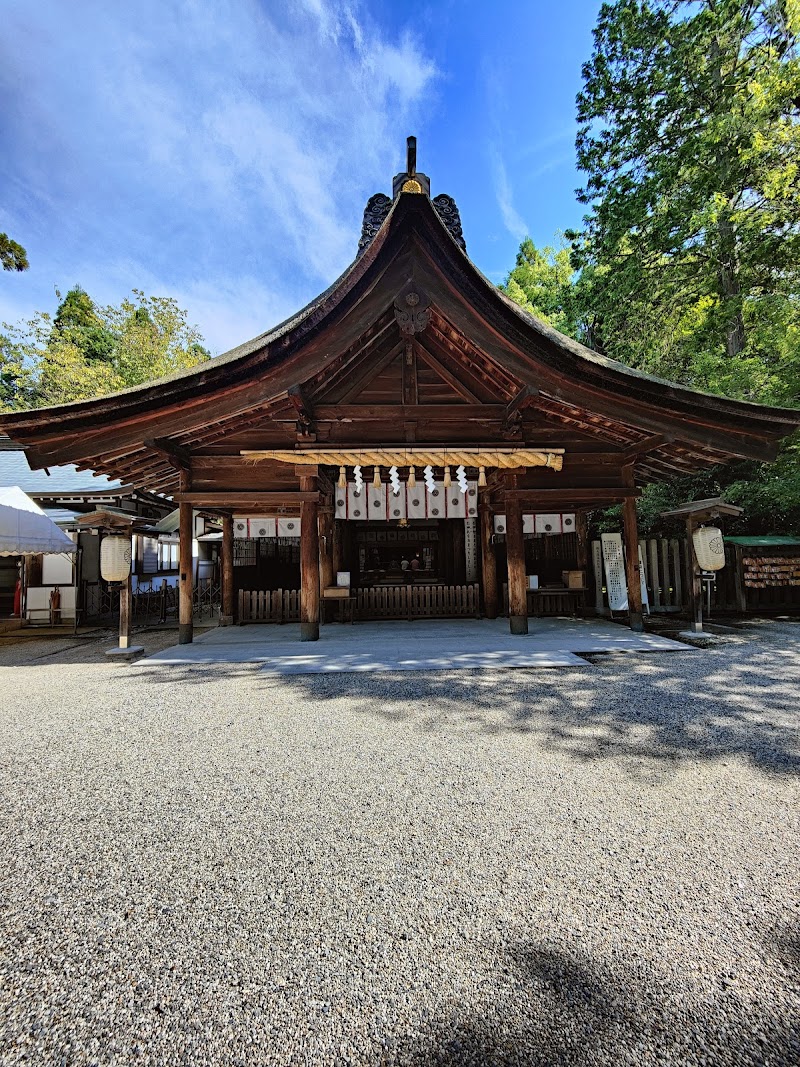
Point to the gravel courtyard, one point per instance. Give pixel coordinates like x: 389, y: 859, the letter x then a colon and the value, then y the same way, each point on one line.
x: 596, y: 865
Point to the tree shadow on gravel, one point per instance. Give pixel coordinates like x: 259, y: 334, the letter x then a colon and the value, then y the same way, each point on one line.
x: 650, y: 710
x: 553, y: 1008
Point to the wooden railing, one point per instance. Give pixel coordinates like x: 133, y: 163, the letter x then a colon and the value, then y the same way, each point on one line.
x: 382, y: 602
x: 418, y: 602
x: 269, y: 605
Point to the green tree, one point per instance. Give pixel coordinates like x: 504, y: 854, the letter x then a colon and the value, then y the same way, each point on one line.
x: 543, y: 282
x: 690, y: 142
x: 12, y: 255
x: 85, y: 351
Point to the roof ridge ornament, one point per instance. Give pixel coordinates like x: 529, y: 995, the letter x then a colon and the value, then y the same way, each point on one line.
x: 410, y: 181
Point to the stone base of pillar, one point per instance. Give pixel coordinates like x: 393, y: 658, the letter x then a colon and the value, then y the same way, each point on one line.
x: 636, y: 621
x: 518, y: 624
x: 309, y: 631
x: 226, y: 620
x: 185, y: 633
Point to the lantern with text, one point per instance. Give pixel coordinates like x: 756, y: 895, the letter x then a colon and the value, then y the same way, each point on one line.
x: 115, y: 559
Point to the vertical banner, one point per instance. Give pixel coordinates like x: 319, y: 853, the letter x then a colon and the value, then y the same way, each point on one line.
x: 614, y: 561
x: 471, y: 548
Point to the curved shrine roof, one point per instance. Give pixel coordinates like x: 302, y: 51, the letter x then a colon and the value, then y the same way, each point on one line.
x: 488, y: 351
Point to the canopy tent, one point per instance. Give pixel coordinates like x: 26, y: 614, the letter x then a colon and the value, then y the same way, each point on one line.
x: 25, y: 530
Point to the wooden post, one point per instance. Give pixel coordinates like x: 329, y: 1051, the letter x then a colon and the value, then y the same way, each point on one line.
x: 226, y: 615
x: 459, y: 551
x: 309, y: 562
x: 185, y: 592
x: 517, y: 583
x: 738, y: 578
x: 695, y: 581
x: 632, y: 572
x: 488, y: 560
x: 326, y: 573
x: 337, y: 547
x: 582, y: 553
x: 125, y: 613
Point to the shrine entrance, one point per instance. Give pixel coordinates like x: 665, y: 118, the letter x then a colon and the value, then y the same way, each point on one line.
x: 410, y: 412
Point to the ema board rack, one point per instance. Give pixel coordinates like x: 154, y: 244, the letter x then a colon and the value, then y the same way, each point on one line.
x: 763, y: 572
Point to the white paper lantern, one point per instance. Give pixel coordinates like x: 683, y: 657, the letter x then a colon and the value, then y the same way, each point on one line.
x: 115, y: 558
x: 709, y: 548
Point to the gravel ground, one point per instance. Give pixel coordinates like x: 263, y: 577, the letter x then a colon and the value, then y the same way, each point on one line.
x: 208, y: 866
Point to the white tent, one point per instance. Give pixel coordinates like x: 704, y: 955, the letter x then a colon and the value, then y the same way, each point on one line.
x: 25, y: 530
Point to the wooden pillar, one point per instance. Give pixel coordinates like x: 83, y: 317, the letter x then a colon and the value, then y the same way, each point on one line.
x: 632, y: 574
x: 488, y: 560
x: 695, y: 581
x: 517, y: 582
x: 337, y: 547
x: 582, y: 535
x: 228, y: 600
x: 185, y: 592
x: 326, y: 572
x: 582, y: 554
x: 309, y: 562
x: 125, y: 613
x: 459, y: 552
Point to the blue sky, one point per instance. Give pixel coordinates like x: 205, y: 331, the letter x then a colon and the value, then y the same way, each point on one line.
x: 222, y: 152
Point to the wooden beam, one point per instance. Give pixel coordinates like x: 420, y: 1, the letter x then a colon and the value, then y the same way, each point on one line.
x: 362, y: 381
x: 241, y: 498
x: 180, y: 458
x: 584, y: 493
x: 520, y: 401
x: 447, y: 375
x: 642, y: 447
x: 393, y: 414
x: 300, y: 401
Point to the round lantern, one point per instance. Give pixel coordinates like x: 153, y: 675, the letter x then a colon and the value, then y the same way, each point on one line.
x: 115, y: 558
x: 709, y: 548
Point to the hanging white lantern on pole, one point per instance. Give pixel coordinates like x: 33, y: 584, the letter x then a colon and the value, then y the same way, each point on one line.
x: 709, y: 548
x: 115, y: 558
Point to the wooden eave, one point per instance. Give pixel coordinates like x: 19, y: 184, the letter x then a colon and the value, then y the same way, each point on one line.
x: 493, y: 354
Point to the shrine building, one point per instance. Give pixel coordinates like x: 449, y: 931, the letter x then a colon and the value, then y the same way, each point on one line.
x: 411, y: 434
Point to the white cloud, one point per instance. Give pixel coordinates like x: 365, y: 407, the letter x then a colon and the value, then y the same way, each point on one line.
x: 512, y: 220
x: 223, y: 150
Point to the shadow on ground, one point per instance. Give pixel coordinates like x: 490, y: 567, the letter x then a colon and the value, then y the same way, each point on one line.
x: 558, y: 1007
x: 649, y: 709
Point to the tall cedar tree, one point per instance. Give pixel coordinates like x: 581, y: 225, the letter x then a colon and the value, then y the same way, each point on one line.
x: 689, y: 137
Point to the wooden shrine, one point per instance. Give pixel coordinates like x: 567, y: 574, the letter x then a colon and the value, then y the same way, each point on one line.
x: 410, y: 409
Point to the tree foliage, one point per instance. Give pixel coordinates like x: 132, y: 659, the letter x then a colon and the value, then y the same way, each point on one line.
x: 543, y: 281
x: 12, y: 255
x: 85, y: 351
x: 688, y: 263
x: 690, y: 142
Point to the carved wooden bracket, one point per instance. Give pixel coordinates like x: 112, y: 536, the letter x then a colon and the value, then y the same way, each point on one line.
x: 412, y: 311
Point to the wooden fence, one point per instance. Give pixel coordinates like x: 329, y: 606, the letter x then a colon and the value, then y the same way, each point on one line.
x: 269, y: 605
x: 419, y: 602
x: 382, y: 602
x: 666, y: 569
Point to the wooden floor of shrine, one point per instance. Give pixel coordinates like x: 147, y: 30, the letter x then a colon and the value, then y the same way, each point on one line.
x: 421, y: 645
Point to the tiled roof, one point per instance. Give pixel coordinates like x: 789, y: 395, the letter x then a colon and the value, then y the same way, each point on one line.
x: 14, y: 470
